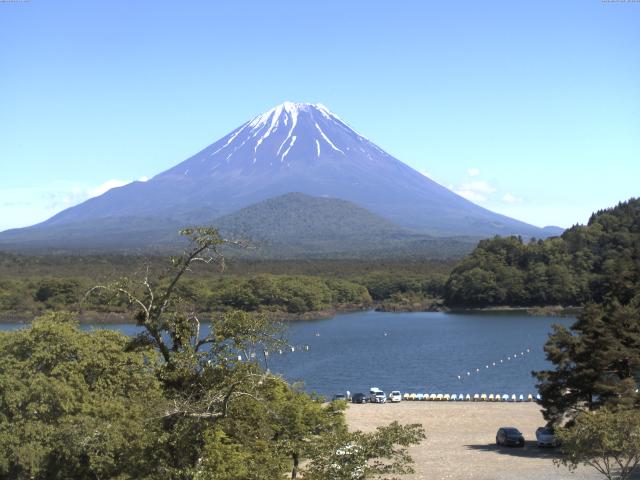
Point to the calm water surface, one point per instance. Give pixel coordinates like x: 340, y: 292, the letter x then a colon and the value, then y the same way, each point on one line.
x: 413, y: 352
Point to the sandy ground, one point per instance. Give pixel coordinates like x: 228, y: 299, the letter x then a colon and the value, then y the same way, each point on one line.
x: 461, y: 436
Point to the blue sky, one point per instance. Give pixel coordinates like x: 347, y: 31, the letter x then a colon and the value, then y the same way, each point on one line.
x: 531, y: 109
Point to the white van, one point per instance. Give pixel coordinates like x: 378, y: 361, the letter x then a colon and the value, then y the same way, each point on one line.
x: 377, y: 396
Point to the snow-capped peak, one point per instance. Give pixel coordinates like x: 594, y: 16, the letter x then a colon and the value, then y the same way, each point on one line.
x: 285, y: 117
x: 289, y: 110
x: 289, y: 132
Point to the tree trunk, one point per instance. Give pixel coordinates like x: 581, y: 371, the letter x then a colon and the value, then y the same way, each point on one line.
x: 296, y: 461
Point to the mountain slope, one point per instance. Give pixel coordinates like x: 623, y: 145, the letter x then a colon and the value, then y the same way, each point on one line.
x: 291, y: 148
x: 295, y: 225
x: 296, y: 217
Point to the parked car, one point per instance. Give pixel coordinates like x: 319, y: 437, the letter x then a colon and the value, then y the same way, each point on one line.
x: 546, y: 437
x: 509, y: 436
x: 377, y: 396
x: 339, y: 396
x: 395, y: 396
x: 359, y: 398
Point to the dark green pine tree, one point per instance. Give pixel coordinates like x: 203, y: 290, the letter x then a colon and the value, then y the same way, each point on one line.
x: 597, y: 362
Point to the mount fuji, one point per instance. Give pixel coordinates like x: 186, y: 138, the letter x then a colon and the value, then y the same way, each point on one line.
x: 294, y: 147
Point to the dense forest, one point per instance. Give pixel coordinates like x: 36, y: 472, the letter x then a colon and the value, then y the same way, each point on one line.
x: 32, y: 285
x: 587, y: 263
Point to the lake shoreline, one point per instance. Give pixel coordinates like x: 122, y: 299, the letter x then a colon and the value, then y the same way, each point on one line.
x: 113, y: 318
x: 116, y: 318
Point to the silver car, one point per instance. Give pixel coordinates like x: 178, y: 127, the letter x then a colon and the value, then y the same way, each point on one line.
x: 395, y: 396
x: 546, y: 437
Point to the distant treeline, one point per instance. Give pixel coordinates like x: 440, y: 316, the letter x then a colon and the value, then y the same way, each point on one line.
x: 587, y: 263
x: 255, y: 292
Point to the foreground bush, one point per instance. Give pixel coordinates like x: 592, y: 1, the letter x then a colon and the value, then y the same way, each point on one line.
x: 604, y: 440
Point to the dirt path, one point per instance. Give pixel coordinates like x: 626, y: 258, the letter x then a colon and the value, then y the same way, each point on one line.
x: 460, y: 440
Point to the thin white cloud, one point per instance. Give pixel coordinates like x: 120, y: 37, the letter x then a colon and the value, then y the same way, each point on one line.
x: 511, y: 199
x: 473, y: 172
x: 104, y: 187
x: 72, y: 195
x: 472, y: 196
x: 20, y: 207
x: 481, y: 186
x: 477, y: 191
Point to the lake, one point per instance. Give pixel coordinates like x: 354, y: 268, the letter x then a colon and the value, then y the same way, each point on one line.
x: 412, y: 352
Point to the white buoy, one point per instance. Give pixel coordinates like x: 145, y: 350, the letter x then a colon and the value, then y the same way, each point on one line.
x: 459, y: 377
x: 468, y: 373
x: 293, y: 349
x: 494, y: 364
x: 486, y: 366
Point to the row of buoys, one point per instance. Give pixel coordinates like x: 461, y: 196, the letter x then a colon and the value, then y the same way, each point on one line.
x: 291, y: 348
x: 476, y: 397
x: 495, y: 364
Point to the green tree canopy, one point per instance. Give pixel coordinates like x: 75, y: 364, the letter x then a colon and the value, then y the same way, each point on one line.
x: 75, y: 404
x: 596, y: 362
x: 595, y: 262
x: 361, y: 456
x: 607, y: 441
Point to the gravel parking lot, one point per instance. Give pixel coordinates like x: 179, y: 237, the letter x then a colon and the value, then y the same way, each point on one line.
x: 460, y: 440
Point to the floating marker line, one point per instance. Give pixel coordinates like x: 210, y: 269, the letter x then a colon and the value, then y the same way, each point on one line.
x: 515, y: 356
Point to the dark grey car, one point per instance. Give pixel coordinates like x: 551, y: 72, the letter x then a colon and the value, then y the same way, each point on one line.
x: 510, y: 436
x: 359, y: 398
